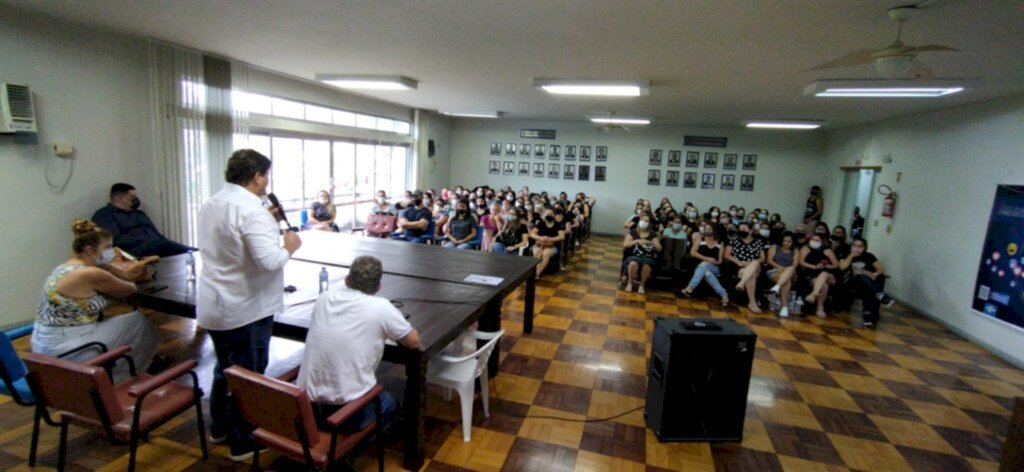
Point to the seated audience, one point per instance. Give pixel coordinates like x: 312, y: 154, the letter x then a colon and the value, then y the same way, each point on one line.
x: 381, y: 205
x: 322, y: 213
x: 491, y: 223
x: 643, y: 246
x: 73, y: 297
x: 133, y: 231
x: 816, y: 261
x: 461, y: 228
x: 782, y: 262
x: 345, y: 345
x: 513, y: 234
x: 674, y: 245
x: 413, y: 221
x: 839, y: 244
x: 546, y: 235
x: 747, y: 253
x: 709, y: 253
x: 866, y: 276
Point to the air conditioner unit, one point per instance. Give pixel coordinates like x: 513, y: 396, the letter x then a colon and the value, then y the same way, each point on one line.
x: 17, y: 115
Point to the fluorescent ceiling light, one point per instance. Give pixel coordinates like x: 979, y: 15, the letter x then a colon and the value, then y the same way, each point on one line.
x: 784, y: 124
x: 884, y: 88
x: 620, y: 120
x: 607, y: 88
x: 474, y: 114
x: 368, y: 82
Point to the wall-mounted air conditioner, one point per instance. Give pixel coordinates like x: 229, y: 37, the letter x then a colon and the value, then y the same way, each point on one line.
x: 17, y: 115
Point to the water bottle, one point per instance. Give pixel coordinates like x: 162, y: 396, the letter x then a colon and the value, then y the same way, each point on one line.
x: 190, y: 267
x: 323, y: 279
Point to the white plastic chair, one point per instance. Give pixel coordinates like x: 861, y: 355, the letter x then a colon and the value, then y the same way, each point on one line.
x: 460, y: 373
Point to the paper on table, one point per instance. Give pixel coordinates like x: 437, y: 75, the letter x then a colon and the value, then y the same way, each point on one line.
x: 483, y: 279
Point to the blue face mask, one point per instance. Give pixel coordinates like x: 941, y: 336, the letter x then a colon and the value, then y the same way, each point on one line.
x: 677, y: 226
x: 106, y: 256
x: 762, y: 216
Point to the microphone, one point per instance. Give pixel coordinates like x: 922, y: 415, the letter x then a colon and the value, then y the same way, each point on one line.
x: 277, y: 204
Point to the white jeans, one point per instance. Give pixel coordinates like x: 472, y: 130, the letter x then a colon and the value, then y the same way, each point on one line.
x: 131, y: 329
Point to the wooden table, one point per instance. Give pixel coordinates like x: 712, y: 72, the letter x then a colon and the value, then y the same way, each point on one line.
x: 439, y: 310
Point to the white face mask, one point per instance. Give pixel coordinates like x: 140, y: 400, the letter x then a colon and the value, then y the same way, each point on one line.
x: 765, y: 233
x: 714, y: 214
x: 691, y: 214
x: 106, y: 256
x: 510, y: 217
x: 643, y: 224
x: 815, y: 244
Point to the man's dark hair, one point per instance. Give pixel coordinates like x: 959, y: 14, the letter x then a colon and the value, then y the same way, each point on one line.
x: 119, y: 189
x: 365, y: 274
x: 244, y: 164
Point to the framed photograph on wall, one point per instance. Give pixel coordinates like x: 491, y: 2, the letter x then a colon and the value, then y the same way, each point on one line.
x: 602, y: 154
x: 569, y: 172
x: 675, y: 158
x: 584, y: 173
x: 538, y: 170
x: 729, y: 162
x: 554, y: 152
x: 570, y: 152
x: 524, y: 150
x: 494, y: 168
x: 672, y: 178
x: 510, y: 149
x: 540, y: 151
x: 495, y: 148
x: 654, y: 158
x: 599, y: 173
x: 707, y: 181
x: 585, y: 153
x: 747, y: 183
x: 692, y: 159
x: 509, y: 168
x: 524, y: 169
x: 728, y: 182
x: 710, y: 160
x: 553, y: 171
x: 690, y: 180
x: 750, y: 162
x: 654, y: 177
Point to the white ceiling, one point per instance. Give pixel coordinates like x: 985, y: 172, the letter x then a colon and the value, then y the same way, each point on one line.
x: 710, y: 63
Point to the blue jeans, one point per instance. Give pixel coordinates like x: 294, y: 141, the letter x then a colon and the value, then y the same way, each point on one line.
x: 247, y: 346
x: 362, y: 418
x: 450, y: 244
x: 868, y: 290
x: 709, y: 273
x: 498, y: 248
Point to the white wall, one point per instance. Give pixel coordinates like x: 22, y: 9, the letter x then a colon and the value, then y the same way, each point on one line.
x: 788, y: 164
x: 433, y: 171
x: 949, y: 164
x: 91, y: 89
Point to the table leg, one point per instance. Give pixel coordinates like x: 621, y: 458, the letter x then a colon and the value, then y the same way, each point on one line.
x: 531, y: 290
x: 491, y: 322
x: 415, y: 405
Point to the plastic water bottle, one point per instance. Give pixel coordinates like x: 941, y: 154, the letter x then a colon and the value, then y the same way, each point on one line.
x: 190, y: 267
x: 323, y: 279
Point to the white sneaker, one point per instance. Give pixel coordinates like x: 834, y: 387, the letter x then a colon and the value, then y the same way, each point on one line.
x: 775, y: 289
x: 784, y: 312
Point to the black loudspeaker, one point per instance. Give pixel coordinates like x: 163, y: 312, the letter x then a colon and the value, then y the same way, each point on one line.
x: 698, y: 379
x: 430, y: 148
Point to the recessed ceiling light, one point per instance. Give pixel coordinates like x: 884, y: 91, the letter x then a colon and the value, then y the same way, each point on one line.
x: 884, y: 88
x: 784, y: 124
x: 368, y: 82
x: 620, y: 120
x: 473, y: 114
x: 607, y: 88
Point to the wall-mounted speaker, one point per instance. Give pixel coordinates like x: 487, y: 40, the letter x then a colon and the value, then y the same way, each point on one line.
x: 431, y: 150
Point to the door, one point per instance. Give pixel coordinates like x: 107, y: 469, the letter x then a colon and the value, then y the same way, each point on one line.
x: 857, y: 186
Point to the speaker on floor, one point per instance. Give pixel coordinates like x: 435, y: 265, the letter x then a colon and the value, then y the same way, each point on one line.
x: 698, y: 377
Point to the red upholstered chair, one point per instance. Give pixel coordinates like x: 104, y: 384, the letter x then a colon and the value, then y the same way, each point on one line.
x: 83, y: 394
x: 381, y: 226
x: 283, y: 416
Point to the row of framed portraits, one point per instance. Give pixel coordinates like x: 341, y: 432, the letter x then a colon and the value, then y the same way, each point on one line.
x: 554, y: 171
x: 554, y: 152
x: 729, y: 161
x: 707, y: 180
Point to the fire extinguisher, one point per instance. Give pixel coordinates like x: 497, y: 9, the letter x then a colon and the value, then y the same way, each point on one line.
x: 889, y: 202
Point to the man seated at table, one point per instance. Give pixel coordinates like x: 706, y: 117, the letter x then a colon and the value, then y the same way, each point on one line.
x: 133, y: 231
x: 345, y: 345
x: 414, y: 220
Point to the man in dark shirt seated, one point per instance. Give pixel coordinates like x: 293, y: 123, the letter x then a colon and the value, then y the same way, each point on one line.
x: 414, y: 220
x: 133, y: 231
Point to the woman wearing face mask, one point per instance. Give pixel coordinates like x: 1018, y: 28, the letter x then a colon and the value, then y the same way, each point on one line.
x: 709, y: 253
x: 461, y: 228
x: 747, y: 253
x: 643, y: 246
x: 73, y: 299
x: 814, y: 208
x: 867, y: 279
x: 630, y: 222
x: 513, y: 234
x: 675, y: 243
x: 782, y: 260
x: 546, y: 234
x: 816, y: 261
x: 491, y: 222
x: 381, y: 205
x: 713, y: 213
x: 322, y: 213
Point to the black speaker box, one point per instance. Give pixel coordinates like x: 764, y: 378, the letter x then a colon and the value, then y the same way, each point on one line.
x: 698, y: 377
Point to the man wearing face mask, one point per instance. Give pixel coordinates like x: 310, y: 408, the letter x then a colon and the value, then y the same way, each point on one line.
x: 814, y: 208
x: 133, y: 231
x: 414, y: 220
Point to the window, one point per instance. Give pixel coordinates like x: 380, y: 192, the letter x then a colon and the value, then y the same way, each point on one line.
x: 283, y: 108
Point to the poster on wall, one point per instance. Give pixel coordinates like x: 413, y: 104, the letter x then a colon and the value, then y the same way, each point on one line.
x: 707, y: 181
x: 654, y: 159
x: 690, y: 180
x: 672, y: 178
x: 692, y: 159
x: 729, y: 162
x: 524, y: 150
x: 654, y: 177
x: 675, y: 158
x: 710, y: 160
x: 602, y: 154
x: 510, y: 149
x: 728, y: 182
x: 554, y: 152
x: 570, y: 152
x: 538, y: 170
x: 999, y: 290
x: 585, y: 153
x: 553, y: 171
x: 539, y: 151
x: 494, y: 168
x: 747, y: 183
x: 750, y: 162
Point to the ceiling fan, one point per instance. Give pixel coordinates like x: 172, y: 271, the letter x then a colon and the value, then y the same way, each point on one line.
x: 895, y: 61
x: 610, y: 126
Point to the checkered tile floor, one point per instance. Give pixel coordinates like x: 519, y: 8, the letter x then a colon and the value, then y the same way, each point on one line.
x: 825, y: 394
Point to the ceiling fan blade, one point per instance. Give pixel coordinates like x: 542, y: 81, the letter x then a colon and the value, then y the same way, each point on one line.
x: 933, y: 47
x: 855, y: 58
x: 920, y: 72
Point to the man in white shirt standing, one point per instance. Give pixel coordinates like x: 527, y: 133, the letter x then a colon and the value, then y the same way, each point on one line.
x: 241, y: 285
x: 345, y: 345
